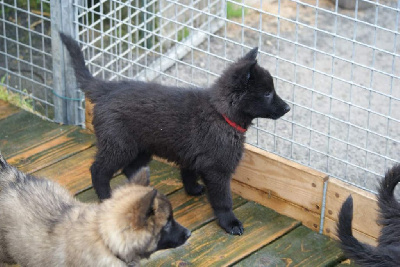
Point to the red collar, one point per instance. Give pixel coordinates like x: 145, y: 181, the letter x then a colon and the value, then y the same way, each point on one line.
x: 234, y: 125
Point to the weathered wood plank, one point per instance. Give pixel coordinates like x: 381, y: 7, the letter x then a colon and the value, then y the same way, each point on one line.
x: 330, y: 230
x: 365, y: 210
x: 13, y: 131
x: 70, y: 141
x: 300, y: 247
x: 282, y: 178
x: 72, y: 172
x: 89, y: 195
x: 6, y: 109
x: 307, y: 217
x: 24, y: 131
x: 211, y: 246
x: 191, y: 212
x: 163, y: 177
x: 194, y: 212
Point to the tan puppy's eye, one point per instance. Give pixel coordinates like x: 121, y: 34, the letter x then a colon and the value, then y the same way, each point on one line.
x: 150, y: 212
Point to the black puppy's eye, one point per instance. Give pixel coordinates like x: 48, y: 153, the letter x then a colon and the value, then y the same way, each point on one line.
x: 268, y: 94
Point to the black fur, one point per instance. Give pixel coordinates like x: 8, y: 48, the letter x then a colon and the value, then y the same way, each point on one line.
x: 134, y: 120
x: 387, y: 253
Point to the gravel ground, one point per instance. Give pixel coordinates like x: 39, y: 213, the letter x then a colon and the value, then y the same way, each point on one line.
x: 359, y: 133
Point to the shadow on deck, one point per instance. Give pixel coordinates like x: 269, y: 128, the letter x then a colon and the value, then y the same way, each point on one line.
x: 65, y: 153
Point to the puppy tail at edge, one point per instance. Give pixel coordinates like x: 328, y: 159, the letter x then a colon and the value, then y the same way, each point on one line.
x: 388, y: 205
x: 82, y: 73
x: 362, y: 254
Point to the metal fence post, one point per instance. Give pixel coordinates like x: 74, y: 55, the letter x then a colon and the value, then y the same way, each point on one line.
x: 66, y: 93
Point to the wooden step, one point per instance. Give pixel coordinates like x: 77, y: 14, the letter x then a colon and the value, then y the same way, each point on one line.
x: 6, y: 109
x: 300, y: 247
x: 70, y: 141
x: 194, y: 212
x: 43, y: 144
x: 72, y: 172
x: 211, y: 246
x: 163, y: 177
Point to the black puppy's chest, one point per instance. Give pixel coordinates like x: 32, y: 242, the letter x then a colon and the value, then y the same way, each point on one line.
x: 222, y: 153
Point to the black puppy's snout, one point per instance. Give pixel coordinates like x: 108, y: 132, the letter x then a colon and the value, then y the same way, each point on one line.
x: 286, y: 108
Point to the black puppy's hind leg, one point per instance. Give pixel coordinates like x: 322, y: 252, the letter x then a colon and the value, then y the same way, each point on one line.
x: 103, y: 169
x: 219, y: 195
x: 134, y: 166
x: 189, y: 180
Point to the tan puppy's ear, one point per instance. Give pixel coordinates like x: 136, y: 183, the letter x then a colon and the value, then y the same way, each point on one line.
x: 144, y: 208
x: 142, y: 177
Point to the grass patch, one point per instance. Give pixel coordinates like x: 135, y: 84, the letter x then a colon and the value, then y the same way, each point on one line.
x: 234, y: 10
x: 36, y: 6
x: 21, y: 101
x: 182, y: 34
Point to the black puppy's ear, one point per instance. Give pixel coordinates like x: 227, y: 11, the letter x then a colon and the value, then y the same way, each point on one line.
x: 252, y: 54
x: 250, y: 69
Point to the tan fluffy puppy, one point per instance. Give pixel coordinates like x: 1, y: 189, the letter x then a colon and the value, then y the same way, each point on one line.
x: 41, y: 224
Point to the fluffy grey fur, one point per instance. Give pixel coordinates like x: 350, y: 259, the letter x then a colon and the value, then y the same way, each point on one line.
x: 41, y: 224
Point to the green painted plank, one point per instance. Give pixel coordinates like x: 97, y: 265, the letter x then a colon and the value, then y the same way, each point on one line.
x: 19, y: 122
x: 72, y: 172
x: 194, y: 212
x: 68, y: 142
x: 163, y: 177
x: 24, y: 131
x: 211, y: 246
x: 89, y: 195
x: 300, y: 247
x: 6, y: 109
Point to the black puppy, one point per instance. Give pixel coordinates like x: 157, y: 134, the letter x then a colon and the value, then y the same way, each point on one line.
x: 387, y: 253
x: 202, y: 130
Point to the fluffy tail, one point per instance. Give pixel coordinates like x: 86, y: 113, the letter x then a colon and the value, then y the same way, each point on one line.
x: 362, y: 254
x: 388, y: 205
x: 389, y: 209
x: 82, y: 73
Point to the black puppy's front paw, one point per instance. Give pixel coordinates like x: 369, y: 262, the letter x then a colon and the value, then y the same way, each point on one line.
x: 230, y: 224
x: 195, y: 190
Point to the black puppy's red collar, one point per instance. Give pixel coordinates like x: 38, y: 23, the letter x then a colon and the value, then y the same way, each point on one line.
x: 234, y: 125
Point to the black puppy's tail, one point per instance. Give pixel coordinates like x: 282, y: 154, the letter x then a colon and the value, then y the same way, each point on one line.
x: 362, y: 254
x: 82, y: 73
x: 388, y: 205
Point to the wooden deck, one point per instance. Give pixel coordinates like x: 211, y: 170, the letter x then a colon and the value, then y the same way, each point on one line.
x: 65, y: 153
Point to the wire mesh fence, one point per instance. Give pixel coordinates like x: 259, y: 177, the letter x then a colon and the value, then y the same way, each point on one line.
x: 335, y: 61
x: 25, y: 55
